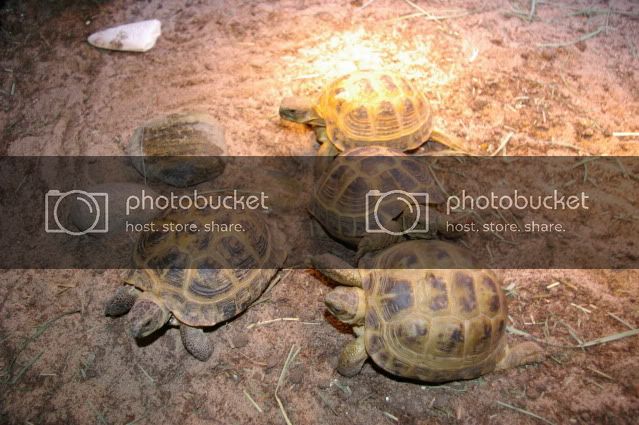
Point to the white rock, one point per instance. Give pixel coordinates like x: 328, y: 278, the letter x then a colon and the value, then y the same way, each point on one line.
x: 137, y: 37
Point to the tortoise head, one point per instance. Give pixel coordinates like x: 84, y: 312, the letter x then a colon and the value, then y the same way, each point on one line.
x: 298, y: 109
x: 147, y: 316
x: 347, y: 304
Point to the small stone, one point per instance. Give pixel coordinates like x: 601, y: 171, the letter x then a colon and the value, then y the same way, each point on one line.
x: 273, y: 361
x: 210, y: 66
x: 240, y: 340
x: 267, y: 8
x: 533, y: 393
x: 136, y: 37
x: 479, y: 103
x: 324, y: 16
x: 584, y: 128
x: 296, y: 376
x: 549, y: 54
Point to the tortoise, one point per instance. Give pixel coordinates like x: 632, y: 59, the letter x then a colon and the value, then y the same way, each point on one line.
x: 371, y: 197
x: 367, y: 108
x: 182, y: 149
x: 198, y: 278
x: 423, y: 310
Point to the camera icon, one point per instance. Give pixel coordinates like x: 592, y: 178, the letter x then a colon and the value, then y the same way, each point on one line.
x: 383, y: 207
x: 95, y: 206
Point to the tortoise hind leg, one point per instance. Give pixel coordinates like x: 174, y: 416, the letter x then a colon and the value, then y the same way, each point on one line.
x: 451, y: 142
x: 122, y: 301
x: 196, y: 342
x: 352, y: 357
x: 521, y: 354
x: 337, y: 269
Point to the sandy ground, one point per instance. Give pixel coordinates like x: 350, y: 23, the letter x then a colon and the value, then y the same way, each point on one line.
x: 62, y: 361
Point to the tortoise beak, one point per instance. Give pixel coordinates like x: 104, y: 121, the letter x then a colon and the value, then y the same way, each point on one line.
x: 297, y: 109
x: 343, y: 303
x: 146, y: 318
x: 334, y: 304
x: 140, y: 328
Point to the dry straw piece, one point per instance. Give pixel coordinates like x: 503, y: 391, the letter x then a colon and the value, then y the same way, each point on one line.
x: 525, y: 412
x: 294, y: 351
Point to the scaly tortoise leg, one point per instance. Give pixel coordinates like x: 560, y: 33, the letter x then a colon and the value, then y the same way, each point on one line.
x: 322, y: 137
x: 376, y: 241
x: 521, y: 354
x: 448, y: 225
x: 353, y: 355
x: 438, y: 224
x: 325, y: 154
x: 196, y: 342
x: 337, y: 269
x: 122, y: 301
x: 452, y: 142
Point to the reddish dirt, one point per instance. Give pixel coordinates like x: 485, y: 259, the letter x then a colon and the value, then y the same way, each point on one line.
x: 485, y: 75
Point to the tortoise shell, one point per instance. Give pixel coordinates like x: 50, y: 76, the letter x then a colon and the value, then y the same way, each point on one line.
x: 181, y: 149
x: 368, y: 107
x: 339, y: 201
x: 433, y: 324
x: 205, y: 277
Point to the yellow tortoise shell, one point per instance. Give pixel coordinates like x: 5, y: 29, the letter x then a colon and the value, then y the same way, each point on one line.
x: 204, y: 277
x: 339, y: 201
x: 368, y: 107
x: 434, y: 324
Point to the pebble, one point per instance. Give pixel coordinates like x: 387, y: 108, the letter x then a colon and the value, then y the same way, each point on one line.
x: 587, y: 133
x: 296, y: 376
x: 240, y: 340
x: 549, y: 54
x: 479, y: 103
x: 136, y: 37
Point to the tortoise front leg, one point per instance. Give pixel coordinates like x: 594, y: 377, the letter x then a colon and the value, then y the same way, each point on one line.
x: 353, y: 355
x: 325, y: 154
x: 372, y: 242
x: 122, y: 301
x: 337, y: 269
x: 448, y: 225
x: 196, y: 342
x: 438, y: 223
x: 322, y: 138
